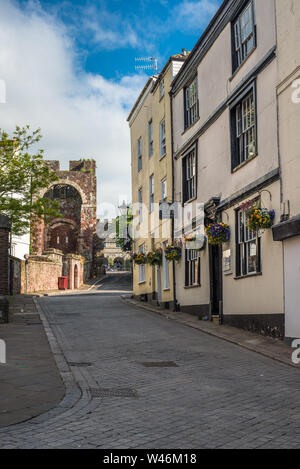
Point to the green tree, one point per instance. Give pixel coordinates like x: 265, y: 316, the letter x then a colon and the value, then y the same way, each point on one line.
x: 22, y: 176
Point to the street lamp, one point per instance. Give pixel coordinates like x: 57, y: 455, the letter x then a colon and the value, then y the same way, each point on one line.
x: 123, y: 209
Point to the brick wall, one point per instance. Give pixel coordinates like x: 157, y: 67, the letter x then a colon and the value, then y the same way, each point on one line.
x: 4, y: 244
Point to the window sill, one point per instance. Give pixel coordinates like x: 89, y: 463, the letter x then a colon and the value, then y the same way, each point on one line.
x: 188, y: 287
x: 166, y: 289
x: 141, y: 283
x: 192, y: 125
x: 189, y: 201
x: 162, y: 157
x: 255, y: 274
x: 241, y: 65
x: 241, y: 165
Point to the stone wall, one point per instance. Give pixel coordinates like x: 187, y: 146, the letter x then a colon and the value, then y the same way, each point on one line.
x: 41, y: 275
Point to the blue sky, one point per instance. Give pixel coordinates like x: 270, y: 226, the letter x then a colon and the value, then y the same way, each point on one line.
x: 69, y: 69
x: 109, y: 34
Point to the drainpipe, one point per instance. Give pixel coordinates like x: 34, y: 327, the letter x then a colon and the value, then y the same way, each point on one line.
x: 175, y: 308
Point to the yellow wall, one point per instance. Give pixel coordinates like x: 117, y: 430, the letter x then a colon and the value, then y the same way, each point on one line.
x: 156, y: 109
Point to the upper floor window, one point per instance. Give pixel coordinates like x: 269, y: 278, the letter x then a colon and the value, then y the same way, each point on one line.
x: 162, y: 138
x: 248, y: 247
x: 164, y: 190
x: 243, y: 129
x: 140, y: 205
x: 191, y: 103
x: 189, y: 176
x: 161, y: 89
x: 151, y: 193
x: 150, y: 138
x: 139, y: 145
x: 244, y: 35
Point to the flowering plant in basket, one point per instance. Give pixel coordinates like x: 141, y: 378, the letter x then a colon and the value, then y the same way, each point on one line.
x: 218, y: 233
x: 173, y: 252
x: 155, y: 257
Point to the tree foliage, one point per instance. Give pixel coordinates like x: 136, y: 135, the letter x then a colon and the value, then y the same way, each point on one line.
x: 22, y: 176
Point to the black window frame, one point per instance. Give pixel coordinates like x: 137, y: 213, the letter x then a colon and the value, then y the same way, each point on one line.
x: 239, y: 55
x: 192, y: 268
x: 242, y: 245
x: 187, y: 193
x: 191, y: 113
x: 238, y: 158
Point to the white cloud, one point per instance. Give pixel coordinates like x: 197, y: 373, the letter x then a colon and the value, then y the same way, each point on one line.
x: 194, y: 15
x: 81, y: 115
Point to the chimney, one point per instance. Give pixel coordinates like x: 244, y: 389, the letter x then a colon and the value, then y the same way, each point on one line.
x: 184, y: 52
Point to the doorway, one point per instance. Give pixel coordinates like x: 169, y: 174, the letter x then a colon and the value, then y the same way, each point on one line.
x: 216, y: 290
x: 76, y: 279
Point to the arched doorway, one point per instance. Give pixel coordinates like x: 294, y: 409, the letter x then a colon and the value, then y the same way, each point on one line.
x: 76, y: 277
x: 63, y: 233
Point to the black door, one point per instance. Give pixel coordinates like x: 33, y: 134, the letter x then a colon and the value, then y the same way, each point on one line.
x: 215, y: 255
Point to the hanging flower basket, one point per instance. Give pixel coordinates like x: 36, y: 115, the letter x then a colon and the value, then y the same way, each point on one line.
x: 204, y: 241
x: 260, y: 218
x: 140, y: 258
x: 195, y: 242
x: 218, y: 233
x: 173, y: 252
x: 155, y: 257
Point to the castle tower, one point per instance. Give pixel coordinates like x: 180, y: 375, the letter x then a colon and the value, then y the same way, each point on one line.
x: 75, y: 192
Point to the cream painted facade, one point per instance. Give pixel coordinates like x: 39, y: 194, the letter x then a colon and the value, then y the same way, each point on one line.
x: 153, y: 283
x: 237, y: 296
x: 287, y: 232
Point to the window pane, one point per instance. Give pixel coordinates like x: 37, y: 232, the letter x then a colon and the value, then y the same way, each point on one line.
x: 251, y: 257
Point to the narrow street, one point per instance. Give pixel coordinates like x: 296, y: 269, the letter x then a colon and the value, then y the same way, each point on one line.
x: 138, y: 380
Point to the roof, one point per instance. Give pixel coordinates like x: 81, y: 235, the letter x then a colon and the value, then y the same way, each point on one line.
x: 156, y: 79
x: 179, y: 58
x: 152, y: 78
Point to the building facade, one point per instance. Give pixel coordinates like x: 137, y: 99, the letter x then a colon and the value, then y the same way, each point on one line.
x: 287, y: 231
x: 151, y: 158
x: 226, y: 157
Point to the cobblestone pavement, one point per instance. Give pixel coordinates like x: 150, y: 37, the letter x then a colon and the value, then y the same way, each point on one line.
x: 217, y: 396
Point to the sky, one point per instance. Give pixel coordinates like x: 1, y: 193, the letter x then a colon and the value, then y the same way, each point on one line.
x: 69, y: 69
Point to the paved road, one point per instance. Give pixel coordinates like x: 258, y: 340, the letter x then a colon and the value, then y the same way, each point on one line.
x: 218, y: 395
